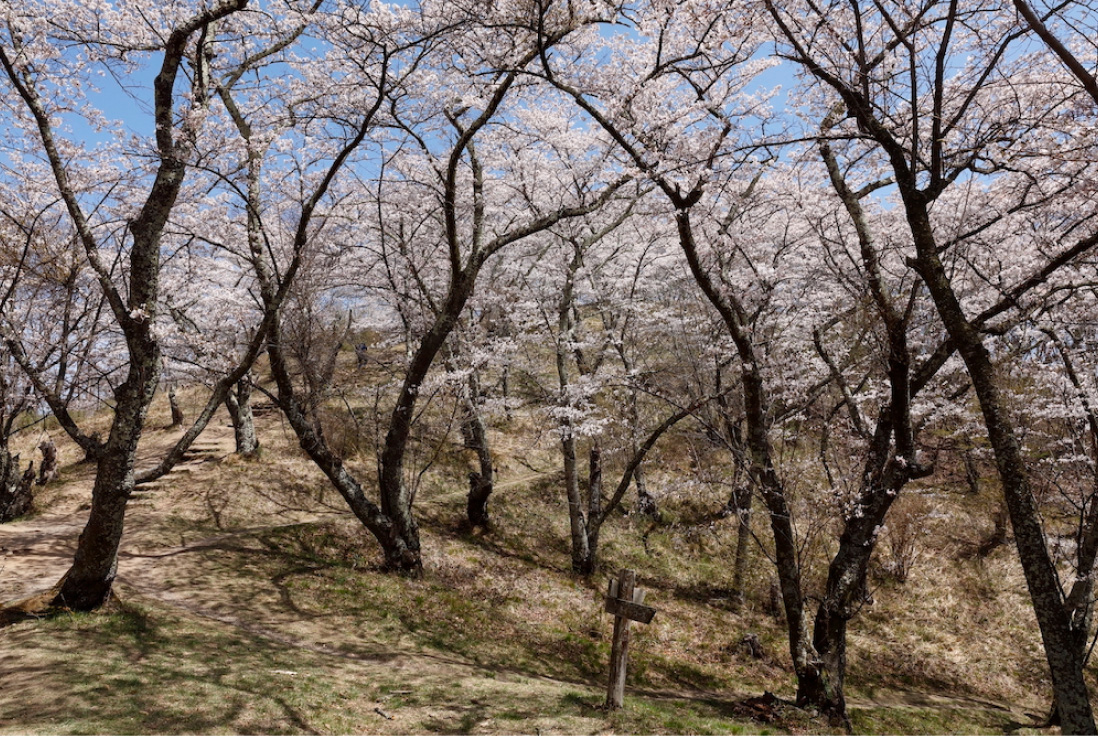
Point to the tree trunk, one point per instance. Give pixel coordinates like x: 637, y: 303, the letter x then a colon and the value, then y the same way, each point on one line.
x: 646, y: 504
x: 566, y: 333
x: 238, y: 401
x: 759, y: 458
x: 822, y: 684
x: 890, y: 463
x: 583, y: 526
x: 396, y: 497
x: 476, y: 503
x: 577, y: 523
x: 505, y: 388
x: 87, y: 584
x: 47, y: 469
x: 741, y: 502
x: 476, y: 439
x: 590, y: 563
x: 888, y: 469
x: 16, y: 498
x: 1080, y: 601
x: 399, y: 556
x: 972, y: 471
x: 1064, y: 659
x: 177, y: 413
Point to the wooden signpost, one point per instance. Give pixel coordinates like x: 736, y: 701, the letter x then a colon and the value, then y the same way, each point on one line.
x: 626, y: 603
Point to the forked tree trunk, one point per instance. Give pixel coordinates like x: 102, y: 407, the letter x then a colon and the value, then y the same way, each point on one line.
x: 889, y: 465
x: 396, y: 497
x: 822, y: 686
x: 88, y: 582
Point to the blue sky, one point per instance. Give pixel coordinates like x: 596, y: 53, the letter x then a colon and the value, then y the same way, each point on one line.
x: 117, y: 104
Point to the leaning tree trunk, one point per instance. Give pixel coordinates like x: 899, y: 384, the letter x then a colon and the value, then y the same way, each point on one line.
x: 846, y: 589
x: 396, y: 497
x: 890, y: 463
x: 1054, y: 621
x: 238, y: 402
x: 759, y: 456
x: 1080, y: 600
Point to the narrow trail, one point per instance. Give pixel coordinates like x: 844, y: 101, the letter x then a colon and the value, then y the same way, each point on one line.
x: 35, y: 553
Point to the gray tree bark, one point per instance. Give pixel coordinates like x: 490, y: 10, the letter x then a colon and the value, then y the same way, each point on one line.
x: 47, y: 469
x: 176, y: 410
x: 16, y: 498
x: 1064, y: 658
x: 476, y: 439
x: 238, y: 402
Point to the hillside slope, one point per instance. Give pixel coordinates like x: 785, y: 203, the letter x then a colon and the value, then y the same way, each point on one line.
x: 249, y: 601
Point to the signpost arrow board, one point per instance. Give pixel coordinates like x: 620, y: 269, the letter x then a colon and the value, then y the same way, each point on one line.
x: 630, y: 609
x: 626, y: 603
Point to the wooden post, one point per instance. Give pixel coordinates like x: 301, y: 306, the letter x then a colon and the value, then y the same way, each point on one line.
x: 626, y: 602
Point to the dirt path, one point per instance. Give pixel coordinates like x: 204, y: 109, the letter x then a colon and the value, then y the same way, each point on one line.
x: 35, y: 553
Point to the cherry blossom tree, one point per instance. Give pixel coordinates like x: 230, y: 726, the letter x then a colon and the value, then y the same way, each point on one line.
x: 940, y: 92
x: 49, y: 310
x: 42, y: 64
x: 697, y: 161
x: 679, y: 114
x: 447, y: 110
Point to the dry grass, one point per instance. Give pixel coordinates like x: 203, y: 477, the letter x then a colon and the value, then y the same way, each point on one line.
x: 250, y: 602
